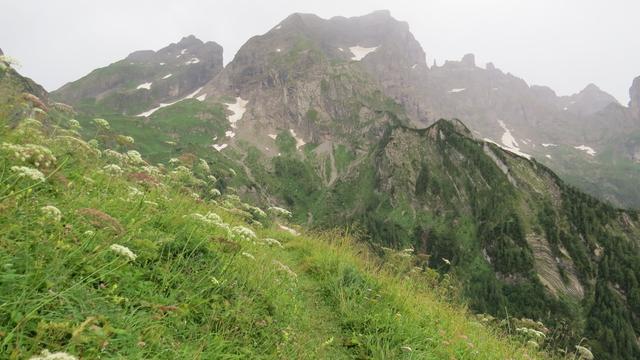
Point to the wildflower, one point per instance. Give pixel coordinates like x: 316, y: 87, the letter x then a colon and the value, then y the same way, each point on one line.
x: 94, y: 143
x: 584, y: 353
x: 212, y: 178
x: 46, y: 355
x: 135, y: 157
x: 233, y: 172
x: 51, y: 212
x: 532, y: 344
x: 285, y: 268
x: 243, y: 233
x: 255, y: 211
x: 102, y: 123
x: 125, y: 140
x: 89, y: 233
x: 35, y: 154
x: 278, y: 211
x: 531, y: 332
x: 134, y: 192
x: 114, y: 155
x: 74, y: 124
x: 204, y: 165
x: 272, y: 242
x: 215, y: 192
x: 446, y: 261
x: 31, y: 173
x: 174, y: 161
x: 246, y: 254
x: 123, y: 251
x: 406, y: 348
x: 113, y: 169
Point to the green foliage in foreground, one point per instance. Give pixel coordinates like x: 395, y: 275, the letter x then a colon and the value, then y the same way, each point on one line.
x: 110, y: 257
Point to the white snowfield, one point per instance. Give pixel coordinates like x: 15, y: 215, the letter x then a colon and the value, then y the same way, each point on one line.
x: 299, y: 141
x: 452, y: 91
x: 238, y: 109
x: 144, y: 86
x: 273, y: 136
x: 360, y: 52
x: 201, y: 97
x: 589, y: 150
x: 509, y: 143
x: 547, y: 145
x: 341, y: 49
x: 192, y: 61
x: 149, y: 112
x: 166, y: 76
x: 229, y: 133
x: 548, y: 156
x: 184, y: 51
x: 162, y: 63
x: 278, y: 27
x: 219, y: 147
x: 414, y: 66
x: 278, y: 50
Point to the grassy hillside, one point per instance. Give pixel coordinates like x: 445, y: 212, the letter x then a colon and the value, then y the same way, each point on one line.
x: 103, y: 255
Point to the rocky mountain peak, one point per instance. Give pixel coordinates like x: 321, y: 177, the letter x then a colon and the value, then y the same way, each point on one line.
x: 469, y: 60
x: 634, y: 93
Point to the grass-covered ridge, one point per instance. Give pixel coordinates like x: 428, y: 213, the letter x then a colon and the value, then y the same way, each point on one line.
x: 104, y: 255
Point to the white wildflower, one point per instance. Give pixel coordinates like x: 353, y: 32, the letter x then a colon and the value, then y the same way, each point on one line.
x: 74, y: 124
x: 233, y: 172
x: 531, y: 332
x: 272, y: 242
x: 31, y: 173
x: 123, y: 251
x: 51, y: 212
x: 285, y: 268
x: 46, y: 355
x: 278, y: 211
x: 243, y: 233
x: 254, y: 210
x: 124, y: 139
x: 102, y: 123
x: 37, y: 155
x: 212, y: 178
x: 246, y: 254
x: 195, y: 196
x: 94, y: 143
x: 89, y: 233
x: 114, y: 155
x: 584, y: 353
x: 135, y: 157
x: 214, y: 192
x: 174, y: 161
x: 446, y: 261
x: 406, y: 348
x: 152, y: 203
x: 113, y: 169
x: 134, y: 192
x: 204, y: 165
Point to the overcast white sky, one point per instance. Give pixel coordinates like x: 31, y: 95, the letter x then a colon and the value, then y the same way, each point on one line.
x: 564, y: 44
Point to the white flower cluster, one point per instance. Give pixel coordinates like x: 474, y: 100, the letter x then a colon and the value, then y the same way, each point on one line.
x: 255, y: 211
x: 272, y: 242
x: 51, y: 213
x: 214, y: 192
x: 174, y: 161
x: 124, y: 139
x: 278, y: 211
x: 35, y: 154
x: 46, y: 355
x: 243, y: 233
x: 248, y: 255
x: 33, y: 174
x: 135, y: 157
x: 102, y: 123
x: 212, y: 218
x: 584, y: 353
x: 531, y: 332
x: 151, y: 170
x: 74, y: 124
x: 114, y: 155
x: 204, y: 165
x: 212, y: 178
x: 285, y: 268
x: 134, y: 192
x: 123, y: 251
x: 113, y: 169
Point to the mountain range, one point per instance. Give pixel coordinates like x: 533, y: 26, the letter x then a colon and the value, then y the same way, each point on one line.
x: 340, y: 120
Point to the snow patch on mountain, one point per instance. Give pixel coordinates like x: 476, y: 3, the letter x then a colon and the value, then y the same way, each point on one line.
x: 299, y: 141
x: 547, y: 145
x: 219, y: 147
x: 452, y: 91
x: 238, y: 109
x: 166, y: 76
x: 149, y: 112
x: 192, y: 61
x: 201, y: 97
x: 146, y: 86
x: 589, y: 150
x: 360, y: 52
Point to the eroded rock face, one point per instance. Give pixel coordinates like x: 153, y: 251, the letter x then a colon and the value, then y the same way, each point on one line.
x: 147, y: 78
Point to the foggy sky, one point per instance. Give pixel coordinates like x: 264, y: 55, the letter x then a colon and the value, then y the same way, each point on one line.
x: 564, y: 44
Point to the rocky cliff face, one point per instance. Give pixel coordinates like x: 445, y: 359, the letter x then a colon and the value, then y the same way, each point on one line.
x: 634, y: 93
x: 145, y: 79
